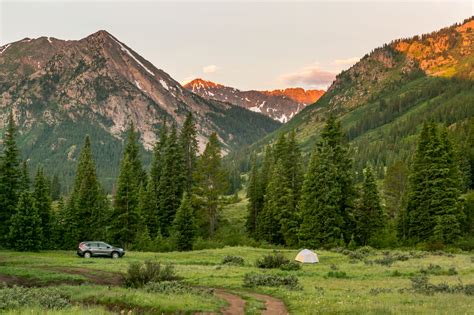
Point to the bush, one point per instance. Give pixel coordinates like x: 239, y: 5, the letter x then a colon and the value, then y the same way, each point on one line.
x: 291, y: 266
x: 420, y: 284
x: 270, y: 280
x: 275, y: 260
x: 233, y: 260
x: 337, y: 274
x: 18, y: 297
x: 438, y: 271
x: 139, y: 274
x: 176, y: 287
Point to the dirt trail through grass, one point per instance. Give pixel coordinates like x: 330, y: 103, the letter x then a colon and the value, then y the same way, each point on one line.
x: 236, y: 305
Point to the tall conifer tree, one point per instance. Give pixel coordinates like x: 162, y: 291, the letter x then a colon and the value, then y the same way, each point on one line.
x: 189, y: 144
x: 25, y: 229
x: 184, y: 225
x: 211, y: 183
x: 10, y: 178
x: 42, y: 199
x: 370, y: 217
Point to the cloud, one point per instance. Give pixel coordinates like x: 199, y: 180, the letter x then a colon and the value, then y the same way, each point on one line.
x: 210, y: 69
x: 311, y: 76
x: 346, y: 62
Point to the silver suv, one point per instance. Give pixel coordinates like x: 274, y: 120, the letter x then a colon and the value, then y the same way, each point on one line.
x: 93, y: 248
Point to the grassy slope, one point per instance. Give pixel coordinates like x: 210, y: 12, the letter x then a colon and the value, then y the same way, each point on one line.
x: 320, y: 294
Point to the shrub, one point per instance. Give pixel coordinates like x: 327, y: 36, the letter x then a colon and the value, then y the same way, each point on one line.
x: 233, y: 260
x: 18, y: 297
x: 176, y: 287
x: 275, y: 260
x: 139, y: 274
x: 270, y: 280
x: 438, y: 271
x: 291, y: 266
x: 337, y: 274
x: 420, y: 284
x: 201, y: 244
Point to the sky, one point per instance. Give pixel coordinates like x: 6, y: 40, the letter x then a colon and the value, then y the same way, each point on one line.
x: 243, y: 44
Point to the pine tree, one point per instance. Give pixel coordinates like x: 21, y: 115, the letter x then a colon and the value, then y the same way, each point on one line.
x: 10, y: 179
x: 126, y: 216
x: 55, y: 188
x: 328, y: 191
x: 87, y: 209
x: 255, y: 197
x: 25, y: 229
x: 42, y: 200
x: 211, y: 183
x: 25, y: 177
x: 184, y: 225
x: 323, y: 221
x: 433, y: 209
x: 189, y: 144
x: 394, y: 188
x: 172, y: 181
x: 369, y: 215
x: 151, y: 213
x: 132, y: 150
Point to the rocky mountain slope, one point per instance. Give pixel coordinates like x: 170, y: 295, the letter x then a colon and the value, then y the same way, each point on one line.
x: 384, y: 98
x: 280, y: 105
x: 59, y: 91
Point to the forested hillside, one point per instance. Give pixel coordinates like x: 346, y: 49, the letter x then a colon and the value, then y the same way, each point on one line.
x: 383, y: 100
x: 60, y: 91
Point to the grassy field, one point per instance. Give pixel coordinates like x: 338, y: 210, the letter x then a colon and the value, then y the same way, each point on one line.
x: 359, y: 282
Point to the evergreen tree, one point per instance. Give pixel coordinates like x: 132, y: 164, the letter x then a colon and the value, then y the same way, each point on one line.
x: 25, y: 229
x: 87, y: 209
x: 172, y: 181
x: 151, y: 212
x: 132, y: 150
x: 10, y: 179
x: 126, y: 217
x: 55, y: 188
x: 184, y: 225
x: 25, y: 177
x: 333, y: 136
x: 369, y: 215
x: 433, y: 209
x: 394, y: 188
x: 189, y: 144
x: 42, y: 199
x: 255, y: 196
x: 323, y: 221
x: 210, y: 182
x: 328, y: 191
x: 58, y: 226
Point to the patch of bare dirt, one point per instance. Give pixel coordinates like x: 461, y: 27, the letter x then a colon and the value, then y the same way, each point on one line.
x: 273, y: 306
x: 96, y: 277
x: 236, y: 303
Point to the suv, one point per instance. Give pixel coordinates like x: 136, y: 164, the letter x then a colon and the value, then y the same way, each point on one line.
x: 89, y: 249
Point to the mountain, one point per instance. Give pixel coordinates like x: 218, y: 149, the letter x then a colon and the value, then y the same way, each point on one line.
x: 280, y: 105
x: 383, y: 99
x: 59, y: 91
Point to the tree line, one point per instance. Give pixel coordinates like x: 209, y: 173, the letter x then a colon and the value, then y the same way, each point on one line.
x: 325, y: 205
x: 176, y: 201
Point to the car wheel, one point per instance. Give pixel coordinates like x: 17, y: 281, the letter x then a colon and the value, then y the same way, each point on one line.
x: 87, y: 255
x: 115, y: 255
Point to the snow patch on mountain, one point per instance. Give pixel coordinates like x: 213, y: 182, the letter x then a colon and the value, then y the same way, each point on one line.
x: 3, y: 48
x: 123, y: 48
x: 164, y: 84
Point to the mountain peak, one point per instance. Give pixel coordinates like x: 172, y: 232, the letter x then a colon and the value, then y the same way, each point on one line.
x: 201, y: 83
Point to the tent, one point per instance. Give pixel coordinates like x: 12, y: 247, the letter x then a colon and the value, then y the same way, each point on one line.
x: 307, y: 256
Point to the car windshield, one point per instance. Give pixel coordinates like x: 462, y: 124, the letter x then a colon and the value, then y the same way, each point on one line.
x: 105, y: 244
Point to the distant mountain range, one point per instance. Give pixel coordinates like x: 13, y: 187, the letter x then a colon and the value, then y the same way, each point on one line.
x: 60, y: 90
x: 383, y: 99
x: 280, y: 105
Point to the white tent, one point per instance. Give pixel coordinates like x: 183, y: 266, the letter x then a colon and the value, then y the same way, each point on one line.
x: 307, y: 256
